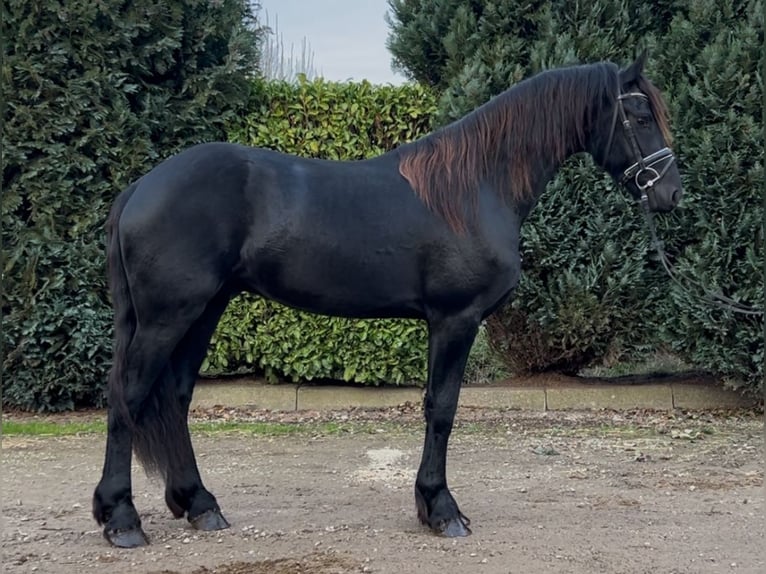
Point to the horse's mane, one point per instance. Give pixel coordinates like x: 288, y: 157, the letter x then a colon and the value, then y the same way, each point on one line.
x: 504, y: 141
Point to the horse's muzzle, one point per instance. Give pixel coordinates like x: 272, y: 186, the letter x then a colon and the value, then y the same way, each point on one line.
x: 664, y: 200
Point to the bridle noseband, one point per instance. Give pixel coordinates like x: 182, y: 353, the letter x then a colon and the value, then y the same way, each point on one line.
x: 644, y: 171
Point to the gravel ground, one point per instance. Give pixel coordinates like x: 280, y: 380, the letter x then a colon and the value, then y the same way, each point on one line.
x: 570, y: 492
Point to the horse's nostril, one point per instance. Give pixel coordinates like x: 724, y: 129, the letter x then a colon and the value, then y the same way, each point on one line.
x: 676, y: 197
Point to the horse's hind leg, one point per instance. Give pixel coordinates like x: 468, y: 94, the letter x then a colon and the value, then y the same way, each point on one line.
x: 184, y: 492
x: 146, y: 358
x: 143, y: 413
x: 450, y: 340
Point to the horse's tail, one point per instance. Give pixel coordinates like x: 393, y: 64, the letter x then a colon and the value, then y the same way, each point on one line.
x: 124, y: 312
x: 157, y: 421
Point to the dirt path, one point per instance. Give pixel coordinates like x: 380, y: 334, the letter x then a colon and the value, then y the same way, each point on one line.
x: 578, y: 493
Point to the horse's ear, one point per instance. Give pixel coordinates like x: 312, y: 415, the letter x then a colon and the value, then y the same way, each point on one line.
x: 631, y: 74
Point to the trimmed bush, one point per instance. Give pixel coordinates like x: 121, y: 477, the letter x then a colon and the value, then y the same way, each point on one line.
x: 100, y: 92
x: 256, y: 334
x: 335, y: 121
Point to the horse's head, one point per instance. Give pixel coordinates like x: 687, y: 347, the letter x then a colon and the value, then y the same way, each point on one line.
x: 636, y: 152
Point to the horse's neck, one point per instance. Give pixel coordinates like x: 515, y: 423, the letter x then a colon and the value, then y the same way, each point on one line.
x: 580, y: 141
x: 544, y: 167
x: 537, y: 138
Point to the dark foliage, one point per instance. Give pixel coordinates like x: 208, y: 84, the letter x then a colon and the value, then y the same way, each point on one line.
x: 95, y: 93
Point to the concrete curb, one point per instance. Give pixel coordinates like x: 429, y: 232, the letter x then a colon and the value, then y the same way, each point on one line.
x: 560, y: 396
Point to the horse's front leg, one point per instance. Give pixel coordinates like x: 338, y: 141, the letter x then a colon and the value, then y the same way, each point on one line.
x: 450, y: 340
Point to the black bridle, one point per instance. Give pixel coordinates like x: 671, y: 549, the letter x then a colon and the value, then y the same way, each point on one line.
x: 644, y: 165
x: 647, y: 167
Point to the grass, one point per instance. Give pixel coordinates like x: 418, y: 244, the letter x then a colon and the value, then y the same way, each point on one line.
x: 288, y: 429
x: 488, y: 428
x: 54, y: 429
x: 42, y: 428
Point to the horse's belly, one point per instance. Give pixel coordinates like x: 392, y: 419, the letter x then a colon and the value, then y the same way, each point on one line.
x: 343, y: 282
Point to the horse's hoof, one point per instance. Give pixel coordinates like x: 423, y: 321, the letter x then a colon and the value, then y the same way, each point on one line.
x: 209, y: 520
x: 455, y: 528
x: 132, y: 538
x: 446, y: 524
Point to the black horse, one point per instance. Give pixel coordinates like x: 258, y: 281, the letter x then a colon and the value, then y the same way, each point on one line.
x: 429, y: 230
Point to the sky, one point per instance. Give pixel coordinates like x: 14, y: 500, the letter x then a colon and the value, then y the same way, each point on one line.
x: 347, y: 37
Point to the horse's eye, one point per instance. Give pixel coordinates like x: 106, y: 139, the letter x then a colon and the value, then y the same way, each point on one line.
x: 642, y: 121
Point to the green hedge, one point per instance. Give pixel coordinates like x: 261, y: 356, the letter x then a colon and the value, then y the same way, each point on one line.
x: 100, y: 92
x: 256, y: 334
x: 103, y: 91
x: 592, y: 289
x: 337, y: 121
x: 334, y: 120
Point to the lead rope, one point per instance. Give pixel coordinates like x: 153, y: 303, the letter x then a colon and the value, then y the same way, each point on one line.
x: 715, y: 299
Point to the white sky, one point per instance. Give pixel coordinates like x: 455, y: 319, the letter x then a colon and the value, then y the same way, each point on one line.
x: 347, y: 37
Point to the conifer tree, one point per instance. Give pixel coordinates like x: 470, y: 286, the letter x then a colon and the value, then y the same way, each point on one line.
x: 95, y: 93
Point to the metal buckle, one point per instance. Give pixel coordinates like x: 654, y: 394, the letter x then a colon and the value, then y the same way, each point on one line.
x: 651, y: 181
x: 647, y: 165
